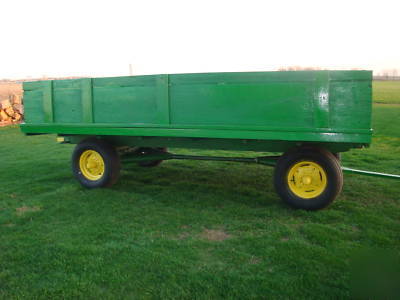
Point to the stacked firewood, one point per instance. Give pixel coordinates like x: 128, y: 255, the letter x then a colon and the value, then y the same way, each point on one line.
x: 11, y: 110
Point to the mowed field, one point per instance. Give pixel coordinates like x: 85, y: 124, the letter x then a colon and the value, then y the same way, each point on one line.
x: 386, y: 91
x: 190, y: 229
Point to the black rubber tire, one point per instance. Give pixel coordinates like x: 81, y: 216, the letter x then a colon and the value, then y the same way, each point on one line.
x: 111, y: 162
x: 326, y: 160
x: 338, y: 156
x: 150, y: 163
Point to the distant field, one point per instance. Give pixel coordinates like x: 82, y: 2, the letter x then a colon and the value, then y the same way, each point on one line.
x: 386, y: 91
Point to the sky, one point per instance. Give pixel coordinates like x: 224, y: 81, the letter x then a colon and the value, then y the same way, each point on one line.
x: 102, y: 38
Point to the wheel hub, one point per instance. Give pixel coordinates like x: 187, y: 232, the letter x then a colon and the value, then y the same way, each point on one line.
x: 307, y: 179
x: 91, y: 164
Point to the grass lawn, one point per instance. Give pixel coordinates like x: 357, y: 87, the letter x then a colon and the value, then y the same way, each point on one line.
x: 386, y: 91
x: 187, y: 229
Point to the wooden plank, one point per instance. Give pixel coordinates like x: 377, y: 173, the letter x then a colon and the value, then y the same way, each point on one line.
x: 162, y: 99
x: 87, y: 100
x: 47, y: 91
x: 321, y: 100
x: 95, y: 129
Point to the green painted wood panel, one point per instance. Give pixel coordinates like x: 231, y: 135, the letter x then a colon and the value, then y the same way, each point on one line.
x: 350, y: 104
x: 67, y: 106
x: 319, y: 105
x: 360, y: 138
x: 87, y: 100
x: 131, y: 100
x: 163, y: 101
x: 137, y: 104
x: 321, y: 100
x: 33, y: 107
x: 226, y: 103
x: 47, y: 94
x: 67, y: 101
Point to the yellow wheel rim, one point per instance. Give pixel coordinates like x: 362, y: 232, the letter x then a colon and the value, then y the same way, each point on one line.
x: 307, y: 179
x: 91, y: 164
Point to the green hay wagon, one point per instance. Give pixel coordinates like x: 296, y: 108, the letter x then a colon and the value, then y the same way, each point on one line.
x: 309, y: 116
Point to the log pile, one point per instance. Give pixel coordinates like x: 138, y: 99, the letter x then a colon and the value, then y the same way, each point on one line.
x: 11, y: 110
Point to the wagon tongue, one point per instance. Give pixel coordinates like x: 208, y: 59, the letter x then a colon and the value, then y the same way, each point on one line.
x: 370, y: 173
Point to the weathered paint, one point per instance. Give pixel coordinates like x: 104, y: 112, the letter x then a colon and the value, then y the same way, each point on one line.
x: 278, y: 108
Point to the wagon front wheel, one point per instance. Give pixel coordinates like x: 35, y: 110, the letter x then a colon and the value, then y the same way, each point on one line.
x: 95, y: 163
x: 308, y: 179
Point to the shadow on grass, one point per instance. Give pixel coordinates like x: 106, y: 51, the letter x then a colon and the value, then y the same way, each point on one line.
x: 249, y: 185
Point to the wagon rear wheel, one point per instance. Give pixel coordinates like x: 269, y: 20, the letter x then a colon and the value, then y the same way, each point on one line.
x: 308, y: 178
x: 95, y: 163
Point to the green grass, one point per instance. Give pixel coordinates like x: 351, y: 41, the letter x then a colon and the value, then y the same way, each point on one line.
x: 386, y: 91
x: 186, y: 229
